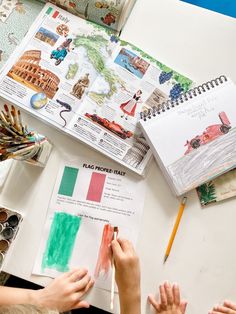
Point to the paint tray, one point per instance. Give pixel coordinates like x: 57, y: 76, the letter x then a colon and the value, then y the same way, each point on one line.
x: 9, y: 226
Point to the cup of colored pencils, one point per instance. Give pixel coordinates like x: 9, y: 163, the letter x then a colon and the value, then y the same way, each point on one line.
x: 16, y: 141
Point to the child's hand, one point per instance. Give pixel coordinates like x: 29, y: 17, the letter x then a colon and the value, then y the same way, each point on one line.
x: 65, y: 292
x: 127, y: 276
x: 227, y: 308
x: 170, y: 302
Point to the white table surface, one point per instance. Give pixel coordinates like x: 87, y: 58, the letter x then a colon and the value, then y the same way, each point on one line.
x: 200, y: 44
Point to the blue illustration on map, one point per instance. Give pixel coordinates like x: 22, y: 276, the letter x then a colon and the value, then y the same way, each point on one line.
x: 128, y: 60
x: 227, y: 7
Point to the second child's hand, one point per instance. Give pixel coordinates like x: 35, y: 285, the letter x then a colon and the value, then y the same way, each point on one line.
x: 170, y: 301
x: 227, y: 308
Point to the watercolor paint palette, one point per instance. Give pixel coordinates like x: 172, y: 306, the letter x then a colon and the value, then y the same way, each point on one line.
x: 9, y: 226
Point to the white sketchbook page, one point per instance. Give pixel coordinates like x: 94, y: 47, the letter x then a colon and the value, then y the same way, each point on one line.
x: 121, y: 205
x: 170, y: 131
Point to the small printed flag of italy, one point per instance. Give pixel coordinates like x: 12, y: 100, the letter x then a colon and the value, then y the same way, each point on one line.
x: 49, y: 11
x: 55, y: 14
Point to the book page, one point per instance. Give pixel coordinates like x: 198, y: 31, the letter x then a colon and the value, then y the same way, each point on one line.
x: 107, y: 13
x: 130, y: 83
x: 88, y: 200
x: 60, y: 52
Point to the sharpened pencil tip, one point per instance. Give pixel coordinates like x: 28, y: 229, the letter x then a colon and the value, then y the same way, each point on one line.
x: 165, y: 258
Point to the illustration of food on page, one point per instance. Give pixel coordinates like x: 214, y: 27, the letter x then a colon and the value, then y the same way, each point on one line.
x: 88, y: 200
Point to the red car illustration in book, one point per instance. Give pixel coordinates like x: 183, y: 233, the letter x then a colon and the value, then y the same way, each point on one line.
x: 110, y: 125
x: 211, y: 133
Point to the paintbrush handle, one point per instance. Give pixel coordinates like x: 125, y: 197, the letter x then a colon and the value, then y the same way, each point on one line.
x: 113, y: 279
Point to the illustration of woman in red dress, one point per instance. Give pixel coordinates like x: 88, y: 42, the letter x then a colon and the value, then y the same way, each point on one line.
x: 129, y: 107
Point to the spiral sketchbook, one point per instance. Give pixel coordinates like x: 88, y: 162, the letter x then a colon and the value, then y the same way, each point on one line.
x: 194, y: 137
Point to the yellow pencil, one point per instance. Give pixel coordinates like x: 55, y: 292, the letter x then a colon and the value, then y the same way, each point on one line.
x: 180, y: 213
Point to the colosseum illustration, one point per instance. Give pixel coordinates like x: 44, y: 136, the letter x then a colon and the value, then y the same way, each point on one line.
x: 27, y: 71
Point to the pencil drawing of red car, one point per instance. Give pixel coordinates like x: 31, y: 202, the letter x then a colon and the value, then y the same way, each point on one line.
x: 110, y: 125
x: 211, y: 133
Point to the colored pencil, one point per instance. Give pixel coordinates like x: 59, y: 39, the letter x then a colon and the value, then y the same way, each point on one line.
x: 176, y: 225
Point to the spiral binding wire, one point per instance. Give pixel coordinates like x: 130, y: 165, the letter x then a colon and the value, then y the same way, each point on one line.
x: 194, y: 92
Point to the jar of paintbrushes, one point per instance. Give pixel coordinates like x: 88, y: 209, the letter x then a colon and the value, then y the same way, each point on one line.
x: 19, y: 142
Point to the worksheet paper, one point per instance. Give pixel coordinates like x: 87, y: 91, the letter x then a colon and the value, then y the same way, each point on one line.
x: 88, y: 200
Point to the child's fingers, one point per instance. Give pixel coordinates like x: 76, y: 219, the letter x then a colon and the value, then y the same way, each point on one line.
x: 176, y: 294
x: 230, y: 305
x: 163, y: 297
x: 154, y: 303
x: 77, y: 274
x: 223, y: 309
x: 169, y: 294
x: 183, y: 306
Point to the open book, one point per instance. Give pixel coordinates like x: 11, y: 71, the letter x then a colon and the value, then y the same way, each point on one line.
x: 79, y: 77
x: 16, y: 17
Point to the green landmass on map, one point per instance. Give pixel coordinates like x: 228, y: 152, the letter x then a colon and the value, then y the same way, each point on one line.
x: 93, y: 45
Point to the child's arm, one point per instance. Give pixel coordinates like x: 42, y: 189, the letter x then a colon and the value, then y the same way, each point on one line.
x: 127, y: 276
x: 63, y: 293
